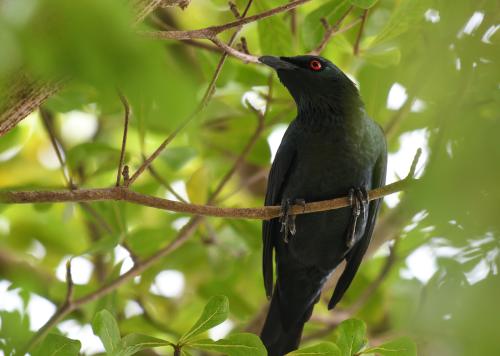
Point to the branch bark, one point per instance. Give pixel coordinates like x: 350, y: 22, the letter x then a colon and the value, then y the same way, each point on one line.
x: 124, y: 194
x: 23, y: 97
x: 210, y: 32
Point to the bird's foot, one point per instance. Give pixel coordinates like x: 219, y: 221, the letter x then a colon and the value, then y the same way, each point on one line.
x: 358, y: 198
x: 287, y: 219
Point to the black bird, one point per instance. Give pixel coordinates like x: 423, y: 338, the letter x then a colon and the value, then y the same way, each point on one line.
x: 332, y: 149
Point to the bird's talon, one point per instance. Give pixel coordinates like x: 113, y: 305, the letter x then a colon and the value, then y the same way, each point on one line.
x: 358, y: 198
x: 287, y: 219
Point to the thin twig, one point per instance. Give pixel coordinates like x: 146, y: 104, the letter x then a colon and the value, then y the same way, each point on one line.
x: 360, y: 33
x: 247, y: 58
x: 332, y: 30
x: 165, y: 183
x: 260, y: 174
x: 58, y: 147
x: 391, y: 127
x: 416, y: 158
x: 253, y: 140
x: 126, y: 107
x: 70, y: 284
x: 65, y: 308
x: 48, y: 124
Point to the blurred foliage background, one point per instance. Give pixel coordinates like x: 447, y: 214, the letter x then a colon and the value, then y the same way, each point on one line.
x: 428, y: 72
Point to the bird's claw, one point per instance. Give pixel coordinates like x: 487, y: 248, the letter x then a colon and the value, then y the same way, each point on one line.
x: 358, y: 198
x: 287, y: 219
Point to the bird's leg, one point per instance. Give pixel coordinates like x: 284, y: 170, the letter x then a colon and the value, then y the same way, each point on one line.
x: 357, y: 204
x: 362, y: 196
x: 287, y: 219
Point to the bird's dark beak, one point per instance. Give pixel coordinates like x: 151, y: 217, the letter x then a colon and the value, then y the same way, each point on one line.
x: 276, y: 62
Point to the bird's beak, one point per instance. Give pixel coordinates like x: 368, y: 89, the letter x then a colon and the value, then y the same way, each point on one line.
x: 276, y: 62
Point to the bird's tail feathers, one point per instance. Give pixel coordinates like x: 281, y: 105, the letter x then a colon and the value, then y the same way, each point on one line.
x: 281, y: 339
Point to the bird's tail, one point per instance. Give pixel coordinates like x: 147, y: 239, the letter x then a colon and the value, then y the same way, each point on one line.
x: 278, y: 338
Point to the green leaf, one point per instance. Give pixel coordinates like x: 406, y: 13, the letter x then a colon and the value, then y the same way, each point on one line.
x: 58, y: 345
x: 104, y: 155
x: 215, y: 312
x: 177, y: 157
x: 405, y: 17
x: 400, y: 347
x: 242, y: 344
x: 105, y: 244
x: 274, y: 32
x: 313, y: 29
x: 383, y: 57
x: 321, y: 349
x: 350, y: 336
x: 106, y: 327
x: 197, y: 186
x: 133, y: 343
x: 364, y: 4
x: 14, y: 331
x: 146, y: 241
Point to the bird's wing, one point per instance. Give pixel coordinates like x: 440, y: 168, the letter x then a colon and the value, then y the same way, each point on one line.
x: 277, y: 180
x: 354, y: 257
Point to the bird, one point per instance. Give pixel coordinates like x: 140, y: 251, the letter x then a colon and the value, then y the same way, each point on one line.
x: 331, y: 149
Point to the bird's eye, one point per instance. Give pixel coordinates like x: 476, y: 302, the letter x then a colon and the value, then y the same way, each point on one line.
x: 315, y: 65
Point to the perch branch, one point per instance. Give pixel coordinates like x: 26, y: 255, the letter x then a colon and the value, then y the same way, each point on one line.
x: 124, y: 194
x: 263, y: 213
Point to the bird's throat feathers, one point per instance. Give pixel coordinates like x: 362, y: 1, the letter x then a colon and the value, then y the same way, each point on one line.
x: 327, y: 102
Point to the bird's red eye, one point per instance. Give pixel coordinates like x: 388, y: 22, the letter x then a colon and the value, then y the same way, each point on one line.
x: 315, y: 65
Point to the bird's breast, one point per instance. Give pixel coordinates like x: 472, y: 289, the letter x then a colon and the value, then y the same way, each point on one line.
x: 324, y: 170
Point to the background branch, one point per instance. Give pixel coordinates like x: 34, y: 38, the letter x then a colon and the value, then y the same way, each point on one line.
x: 204, y: 102
x: 212, y: 31
x: 360, y: 33
x: 330, y: 31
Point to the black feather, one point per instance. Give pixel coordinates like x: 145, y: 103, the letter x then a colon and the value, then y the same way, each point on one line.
x: 330, y: 147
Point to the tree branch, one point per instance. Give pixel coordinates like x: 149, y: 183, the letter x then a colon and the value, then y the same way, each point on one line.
x: 248, y: 58
x: 263, y: 213
x: 124, y: 194
x: 21, y: 99
x: 212, y: 31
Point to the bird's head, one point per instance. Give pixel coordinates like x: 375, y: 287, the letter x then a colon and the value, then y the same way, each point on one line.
x: 314, y: 81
